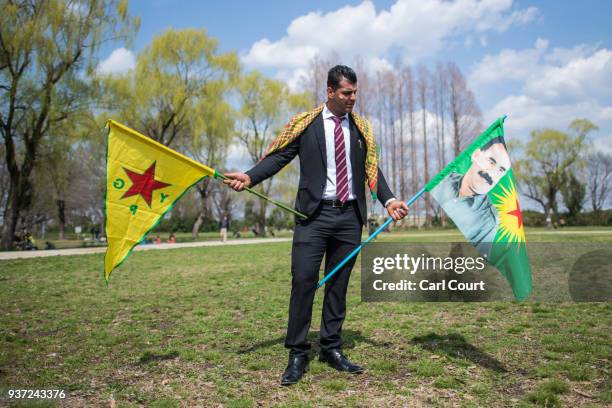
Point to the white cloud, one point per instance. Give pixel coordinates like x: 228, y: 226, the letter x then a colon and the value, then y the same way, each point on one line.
x: 603, y: 144
x: 418, y: 28
x: 508, y: 65
x: 555, y: 87
x: 565, y: 55
x: 575, y: 73
x: 120, y: 60
x: 582, y: 77
x: 528, y: 113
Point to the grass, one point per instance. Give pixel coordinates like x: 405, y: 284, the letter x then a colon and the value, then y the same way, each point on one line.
x: 205, y: 326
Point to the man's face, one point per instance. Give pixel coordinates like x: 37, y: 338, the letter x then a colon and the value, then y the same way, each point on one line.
x: 488, y: 166
x: 342, y: 100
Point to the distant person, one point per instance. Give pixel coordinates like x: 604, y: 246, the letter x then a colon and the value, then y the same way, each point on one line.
x: 95, y: 232
x: 224, y: 225
x: 172, y: 239
x: 158, y: 240
x: 29, y: 244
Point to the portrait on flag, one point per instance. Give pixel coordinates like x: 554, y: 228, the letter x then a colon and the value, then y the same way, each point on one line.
x: 464, y: 196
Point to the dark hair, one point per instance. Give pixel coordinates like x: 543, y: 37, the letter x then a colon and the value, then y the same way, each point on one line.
x: 335, y: 75
x: 495, y: 140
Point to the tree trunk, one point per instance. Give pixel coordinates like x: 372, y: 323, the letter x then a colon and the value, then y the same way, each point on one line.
x: 11, y: 215
x: 261, y: 220
x: 61, y: 216
x: 205, y: 210
x: 426, y: 166
x: 260, y: 223
x: 197, y: 224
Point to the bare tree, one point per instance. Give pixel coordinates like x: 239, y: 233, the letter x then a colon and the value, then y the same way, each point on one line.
x: 410, y: 97
x: 422, y: 87
x: 366, y: 94
x: 315, y: 82
x: 401, y: 110
x: 390, y: 85
x: 464, y: 113
x: 441, y: 85
x: 599, y: 176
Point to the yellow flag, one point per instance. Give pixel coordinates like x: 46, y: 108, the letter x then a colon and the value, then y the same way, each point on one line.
x: 143, y: 181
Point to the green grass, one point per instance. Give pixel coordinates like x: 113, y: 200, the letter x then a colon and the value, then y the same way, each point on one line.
x: 205, y: 326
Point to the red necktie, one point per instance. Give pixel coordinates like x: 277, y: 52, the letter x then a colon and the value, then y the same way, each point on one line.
x: 342, y: 192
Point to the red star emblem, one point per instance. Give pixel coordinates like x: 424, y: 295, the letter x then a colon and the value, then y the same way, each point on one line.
x: 517, y: 214
x: 144, y: 184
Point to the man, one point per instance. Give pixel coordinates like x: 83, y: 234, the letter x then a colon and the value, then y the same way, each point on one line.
x: 464, y: 196
x: 337, y: 153
x: 223, y: 227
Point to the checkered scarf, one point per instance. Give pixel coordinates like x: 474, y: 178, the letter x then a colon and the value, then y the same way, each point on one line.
x: 300, y: 122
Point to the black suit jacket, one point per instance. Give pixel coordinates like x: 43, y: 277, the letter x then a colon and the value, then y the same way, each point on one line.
x: 310, y: 147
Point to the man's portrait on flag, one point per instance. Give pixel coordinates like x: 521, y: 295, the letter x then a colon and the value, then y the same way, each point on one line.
x: 464, y: 194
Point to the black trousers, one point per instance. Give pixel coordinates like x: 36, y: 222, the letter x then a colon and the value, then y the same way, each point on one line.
x: 333, y: 232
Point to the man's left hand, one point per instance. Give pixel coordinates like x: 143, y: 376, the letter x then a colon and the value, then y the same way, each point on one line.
x: 397, y: 209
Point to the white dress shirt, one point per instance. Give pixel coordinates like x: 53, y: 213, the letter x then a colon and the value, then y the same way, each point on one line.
x: 330, y: 149
x: 330, y: 146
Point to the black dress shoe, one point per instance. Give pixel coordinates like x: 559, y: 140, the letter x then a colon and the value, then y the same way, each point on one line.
x: 337, y: 360
x: 295, y: 370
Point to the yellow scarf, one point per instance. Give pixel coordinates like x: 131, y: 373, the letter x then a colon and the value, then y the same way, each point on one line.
x: 300, y: 122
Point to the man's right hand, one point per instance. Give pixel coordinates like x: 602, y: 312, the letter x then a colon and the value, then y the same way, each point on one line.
x: 237, y: 181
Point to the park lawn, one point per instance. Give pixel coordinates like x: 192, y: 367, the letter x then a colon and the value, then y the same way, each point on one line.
x: 205, y: 326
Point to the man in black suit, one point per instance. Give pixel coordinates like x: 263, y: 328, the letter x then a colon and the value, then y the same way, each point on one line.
x: 332, y: 194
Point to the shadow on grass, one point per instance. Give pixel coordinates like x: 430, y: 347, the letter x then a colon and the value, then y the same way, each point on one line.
x: 349, y: 339
x: 149, y: 357
x: 455, y: 345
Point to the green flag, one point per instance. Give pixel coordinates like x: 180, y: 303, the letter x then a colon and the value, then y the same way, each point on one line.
x: 478, y: 192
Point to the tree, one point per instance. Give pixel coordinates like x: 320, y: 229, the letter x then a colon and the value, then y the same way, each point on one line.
x: 173, y: 75
x: 211, y: 136
x: 574, y: 194
x: 550, y: 158
x: 422, y: 85
x: 599, y: 179
x: 45, y: 48
x: 408, y: 78
x: 265, y: 105
x: 58, y: 165
x: 462, y: 108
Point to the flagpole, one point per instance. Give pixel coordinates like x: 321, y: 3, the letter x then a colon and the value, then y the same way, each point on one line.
x: 364, y: 243
x: 258, y: 194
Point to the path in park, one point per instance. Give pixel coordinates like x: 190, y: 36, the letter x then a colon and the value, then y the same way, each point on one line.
x: 246, y: 241
x: 97, y: 250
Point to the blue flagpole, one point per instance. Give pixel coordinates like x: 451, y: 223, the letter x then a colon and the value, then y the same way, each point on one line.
x: 364, y: 243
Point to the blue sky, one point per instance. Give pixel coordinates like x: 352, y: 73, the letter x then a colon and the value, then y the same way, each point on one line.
x: 542, y: 62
